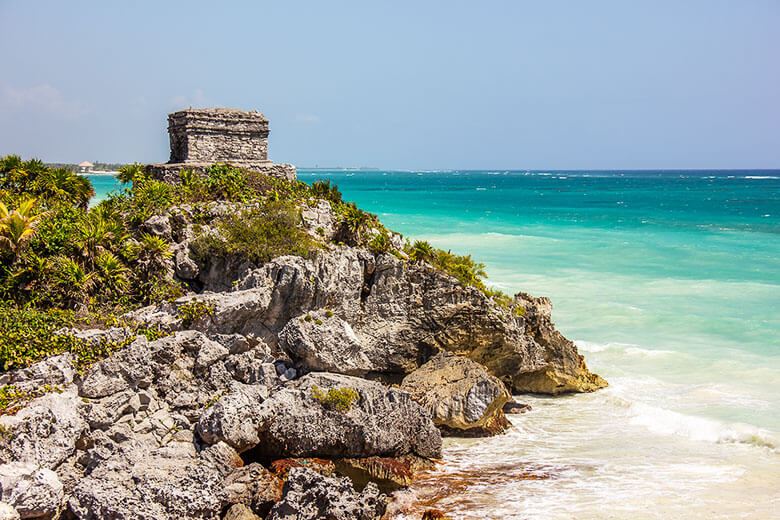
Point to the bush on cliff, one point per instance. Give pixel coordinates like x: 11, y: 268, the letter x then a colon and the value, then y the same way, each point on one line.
x: 258, y: 235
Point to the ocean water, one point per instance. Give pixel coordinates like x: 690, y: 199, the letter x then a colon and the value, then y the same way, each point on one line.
x: 669, y: 283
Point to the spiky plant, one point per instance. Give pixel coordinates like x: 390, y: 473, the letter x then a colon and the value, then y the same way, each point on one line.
x: 111, y: 273
x: 421, y: 251
x: 17, y: 227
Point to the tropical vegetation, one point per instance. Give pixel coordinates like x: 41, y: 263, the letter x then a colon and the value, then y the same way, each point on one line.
x: 64, y: 263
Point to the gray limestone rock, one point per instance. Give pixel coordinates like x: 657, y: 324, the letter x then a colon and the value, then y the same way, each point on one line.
x: 158, y: 225
x: 54, y: 371
x: 232, y: 417
x: 459, y: 394
x: 33, y: 491
x: 8, y: 512
x: 380, y: 421
x: 311, y: 496
x: 321, y: 341
x: 44, y: 432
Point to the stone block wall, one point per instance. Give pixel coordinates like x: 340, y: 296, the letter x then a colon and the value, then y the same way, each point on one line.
x: 218, y: 135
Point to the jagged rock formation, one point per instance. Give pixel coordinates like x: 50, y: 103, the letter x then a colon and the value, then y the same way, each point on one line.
x: 202, y: 137
x: 389, y: 317
x: 310, y: 496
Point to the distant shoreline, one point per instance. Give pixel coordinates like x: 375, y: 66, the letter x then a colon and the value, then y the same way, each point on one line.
x: 101, y: 173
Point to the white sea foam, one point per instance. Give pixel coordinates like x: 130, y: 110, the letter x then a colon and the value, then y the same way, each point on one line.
x: 761, y: 177
x: 667, y: 422
x: 643, y: 352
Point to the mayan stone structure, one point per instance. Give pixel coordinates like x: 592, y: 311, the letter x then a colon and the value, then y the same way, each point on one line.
x: 204, y: 136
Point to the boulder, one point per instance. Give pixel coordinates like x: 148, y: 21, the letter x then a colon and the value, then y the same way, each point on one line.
x: 292, y: 422
x: 8, y: 512
x: 140, y: 482
x: 311, y: 496
x: 462, y: 398
x: 513, y: 407
x: 233, y: 418
x: 320, y: 341
x: 44, y: 432
x: 32, y: 491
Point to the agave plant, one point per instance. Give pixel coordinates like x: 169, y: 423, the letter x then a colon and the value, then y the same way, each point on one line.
x: 18, y: 226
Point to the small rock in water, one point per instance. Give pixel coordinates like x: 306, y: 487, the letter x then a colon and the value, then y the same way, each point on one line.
x: 515, y: 407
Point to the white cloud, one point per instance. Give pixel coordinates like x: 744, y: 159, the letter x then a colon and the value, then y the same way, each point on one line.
x: 307, y: 118
x: 45, y: 98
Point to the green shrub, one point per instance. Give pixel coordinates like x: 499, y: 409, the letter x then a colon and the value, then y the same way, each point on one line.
x: 27, y: 335
x: 226, y: 182
x: 258, y: 235
x: 339, y: 399
x: 193, y: 310
x: 380, y: 243
x: 323, y: 189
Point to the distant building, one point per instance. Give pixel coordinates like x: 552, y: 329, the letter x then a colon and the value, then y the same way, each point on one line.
x: 86, y: 167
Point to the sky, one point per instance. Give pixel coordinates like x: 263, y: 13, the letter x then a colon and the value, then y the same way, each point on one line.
x: 542, y: 84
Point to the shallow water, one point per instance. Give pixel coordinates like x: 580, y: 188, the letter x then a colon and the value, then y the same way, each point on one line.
x: 669, y: 282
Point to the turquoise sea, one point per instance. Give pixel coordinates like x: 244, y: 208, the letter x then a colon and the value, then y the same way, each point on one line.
x: 669, y: 283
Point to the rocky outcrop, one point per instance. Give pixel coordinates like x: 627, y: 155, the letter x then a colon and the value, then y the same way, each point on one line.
x: 400, y: 315
x: 565, y: 369
x: 44, y: 433
x: 32, y: 491
x: 311, y: 496
x: 462, y: 398
x: 292, y: 422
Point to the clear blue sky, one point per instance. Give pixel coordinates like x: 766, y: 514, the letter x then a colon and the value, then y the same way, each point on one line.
x: 403, y: 84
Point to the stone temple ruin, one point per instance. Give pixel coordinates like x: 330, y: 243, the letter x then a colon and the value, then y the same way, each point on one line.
x: 204, y: 136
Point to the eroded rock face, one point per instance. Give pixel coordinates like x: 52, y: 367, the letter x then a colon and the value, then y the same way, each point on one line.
x: 32, y: 491
x: 311, y: 496
x: 43, y: 433
x: 459, y: 394
x: 320, y: 341
x: 292, y: 423
x: 401, y: 315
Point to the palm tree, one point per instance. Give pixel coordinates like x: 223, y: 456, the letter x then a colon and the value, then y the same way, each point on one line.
x: 94, y: 235
x: 73, y: 281
x: 18, y: 226
x: 421, y: 251
x: 111, y: 273
x: 130, y: 172
x: 65, y: 185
